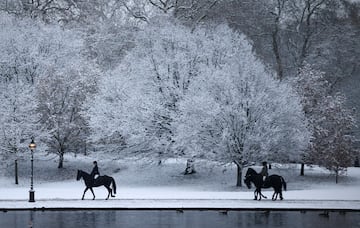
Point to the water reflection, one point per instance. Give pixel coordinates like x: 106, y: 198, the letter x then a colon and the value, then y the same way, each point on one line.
x: 31, y: 222
x: 172, y: 218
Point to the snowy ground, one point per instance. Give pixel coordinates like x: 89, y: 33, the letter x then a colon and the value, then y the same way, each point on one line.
x: 149, y: 185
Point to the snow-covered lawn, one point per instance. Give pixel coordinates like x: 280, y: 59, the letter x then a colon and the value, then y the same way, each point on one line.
x: 149, y: 185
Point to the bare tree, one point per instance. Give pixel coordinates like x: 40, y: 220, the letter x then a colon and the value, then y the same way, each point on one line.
x: 194, y: 12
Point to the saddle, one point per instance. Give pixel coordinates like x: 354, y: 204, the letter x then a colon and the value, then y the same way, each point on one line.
x: 96, y: 180
x: 266, y: 183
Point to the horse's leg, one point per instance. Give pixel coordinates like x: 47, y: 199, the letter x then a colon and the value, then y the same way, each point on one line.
x: 281, y: 197
x: 276, y: 193
x: 92, y: 193
x: 259, y: 193
x: 109, y: 189
x: 255, y: 194
x: 84, y: 193
x: 109, y: 192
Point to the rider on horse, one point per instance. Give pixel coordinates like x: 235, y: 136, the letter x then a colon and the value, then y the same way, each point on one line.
x: 95, y: 171
x: 264, y: 171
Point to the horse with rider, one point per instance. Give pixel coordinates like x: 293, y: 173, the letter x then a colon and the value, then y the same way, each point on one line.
x: 263, y: 180
x: 95, y: 180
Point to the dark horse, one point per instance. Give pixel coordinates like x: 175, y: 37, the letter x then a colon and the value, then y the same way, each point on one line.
x: 100, y: 181
x: 274, y: 181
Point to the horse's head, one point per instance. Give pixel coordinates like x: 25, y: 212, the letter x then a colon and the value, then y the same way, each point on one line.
x: 78, y: 176
x: 251, y: 172
x: 247, y: 181
x: 249, y: 177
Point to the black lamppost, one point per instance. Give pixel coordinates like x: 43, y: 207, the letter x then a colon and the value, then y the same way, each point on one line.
x: 32, y: 147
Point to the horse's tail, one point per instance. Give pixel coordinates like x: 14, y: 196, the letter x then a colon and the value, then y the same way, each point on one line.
x: 283, y: 183
x: 113, y: 185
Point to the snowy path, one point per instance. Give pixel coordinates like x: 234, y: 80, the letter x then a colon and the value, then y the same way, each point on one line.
x: 67, y: 196
x: 220, y: 204
x: 310, y: 192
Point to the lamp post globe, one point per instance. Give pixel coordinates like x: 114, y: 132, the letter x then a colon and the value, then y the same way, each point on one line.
x: 32, y: 147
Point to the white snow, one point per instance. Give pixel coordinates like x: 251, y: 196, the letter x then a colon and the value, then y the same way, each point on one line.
x: 150, y: 185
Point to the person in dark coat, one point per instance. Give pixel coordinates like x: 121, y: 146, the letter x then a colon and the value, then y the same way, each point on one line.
x: 264, y: 171
x: 95, y: 171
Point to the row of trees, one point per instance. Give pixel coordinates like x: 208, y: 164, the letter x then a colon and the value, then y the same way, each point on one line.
x: 162, y: 79
x: 202, y: 94
x: 45, y: 79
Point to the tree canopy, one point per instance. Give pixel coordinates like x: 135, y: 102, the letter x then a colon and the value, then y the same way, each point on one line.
x: 223, y: 80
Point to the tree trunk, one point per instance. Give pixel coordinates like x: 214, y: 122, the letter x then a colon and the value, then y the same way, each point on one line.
x: 336, y: 176
x: 357, y: 163
x: 302, y: 169
x: 279, y: 66
x: 61, y: 160
x: 16, y: 172
x: 276, y: 46
x: 239, y: 175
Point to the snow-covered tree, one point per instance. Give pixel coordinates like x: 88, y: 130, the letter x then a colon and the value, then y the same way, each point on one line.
x: 139, y: 98
x: 61, y: 99
x: 107, y: 43
x: 236, y: 111
x: 41, y: 67
x: 332, y: 122
x: 67, y: 80
x: 336, y: 149
x: 18, y: 67
x: 199, y: 94
x: 18, y: 118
